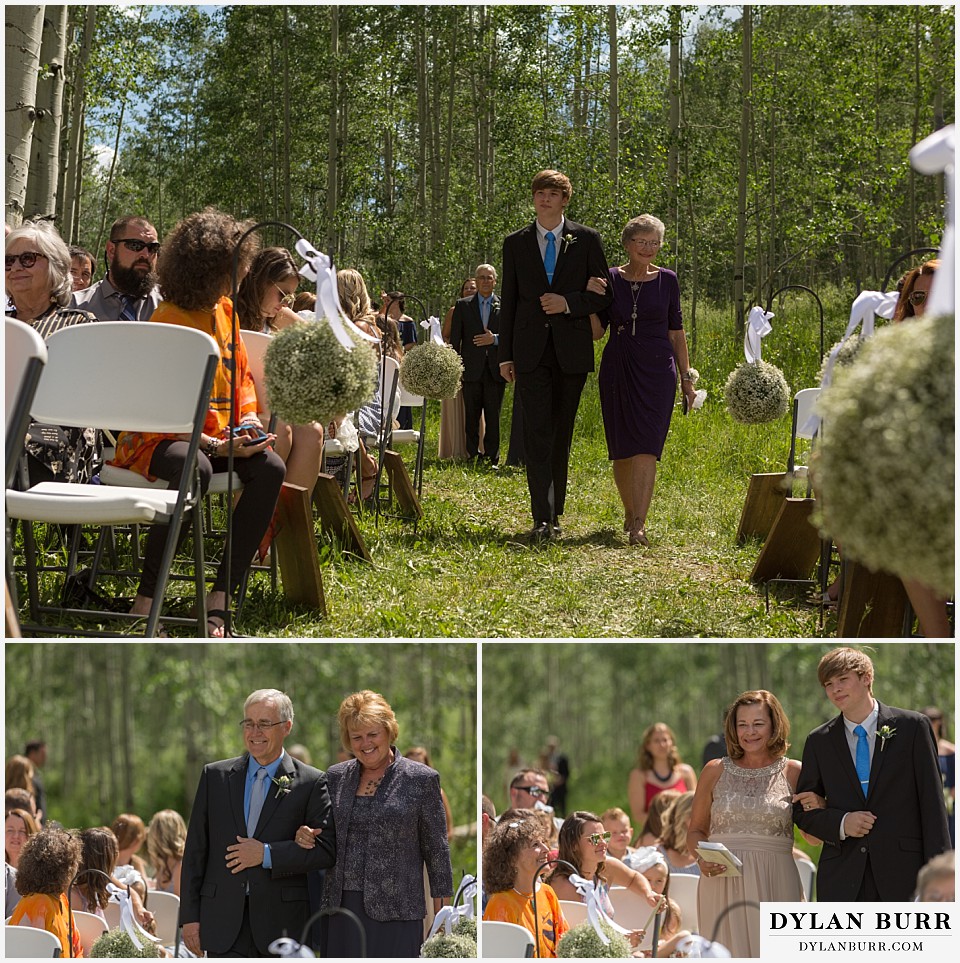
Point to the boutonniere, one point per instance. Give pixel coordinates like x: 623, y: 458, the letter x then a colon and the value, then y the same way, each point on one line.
x: 568, y: 239
x: 885, y: 733
x: 283, y: 785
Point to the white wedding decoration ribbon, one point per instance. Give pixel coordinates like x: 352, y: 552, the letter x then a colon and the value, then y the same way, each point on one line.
x: 319, y: 268
x: 128, y: 921
x: 449, y: 916
x: 591, y: 896
x: 288, y: 948
x: 432, y: 325
x: 700, y: 948
x: 758, y: 327
x: 933, y: 155
x: 644, y: 858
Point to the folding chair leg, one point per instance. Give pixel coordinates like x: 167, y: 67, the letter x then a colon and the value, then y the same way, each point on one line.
x: 198, y: 572
x: 30, y: 558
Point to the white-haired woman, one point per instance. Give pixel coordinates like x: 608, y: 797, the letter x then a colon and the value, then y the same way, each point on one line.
x: 638, y: 370
x: 39, y: 285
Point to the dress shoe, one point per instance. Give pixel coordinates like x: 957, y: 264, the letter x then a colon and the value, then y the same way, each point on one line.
x: 555, y: 528
x: 541, y: 532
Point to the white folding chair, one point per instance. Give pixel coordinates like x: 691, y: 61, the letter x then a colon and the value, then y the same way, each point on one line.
x: 24, y: 355
x: 629, y: 909
x: 112, y: 913
x: 808, y: 873
x: 574, y: 912
x: 166, y: 908
x: 90, y: 928
x: 135, y: 377
x: 803, y: 404
x: 683, y: 891
x: 505, y: 941
x: 389, y: 398
x: 413, y: 436
x: 25, y: 942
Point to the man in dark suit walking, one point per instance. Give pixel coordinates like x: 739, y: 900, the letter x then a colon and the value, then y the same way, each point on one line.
x: 244, y: 878
x: 545, y: 337
x: 474, y: 335
x: 877, y: 768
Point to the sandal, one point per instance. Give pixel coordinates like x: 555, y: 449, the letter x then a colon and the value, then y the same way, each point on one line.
x: 215, y: 630
x: 366, y: 492
x: 639, y: 537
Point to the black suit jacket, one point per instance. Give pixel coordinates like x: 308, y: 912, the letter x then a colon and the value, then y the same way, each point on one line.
x: 466, y: 324
x: 905, y: 794
x: 213, y: 896
x: 524, y: 325
x: 409, y: 831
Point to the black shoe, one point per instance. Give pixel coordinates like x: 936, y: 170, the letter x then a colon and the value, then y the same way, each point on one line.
x: 541, y: 532
x: 555, y: 528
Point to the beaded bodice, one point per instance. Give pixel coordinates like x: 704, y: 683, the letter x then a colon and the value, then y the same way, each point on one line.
x: 752, y: 801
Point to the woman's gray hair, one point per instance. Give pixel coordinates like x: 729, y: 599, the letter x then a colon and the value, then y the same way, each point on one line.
x: 280, y: 699
x: 49, y: 243
x: 644, y: 224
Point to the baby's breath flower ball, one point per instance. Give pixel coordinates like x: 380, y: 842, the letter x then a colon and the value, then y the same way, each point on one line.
x: 456, y: 945
x: 432, y: 370
x: 884, y: 468
x: 694, y: 375
x: 845, y: 356
x: 467, y: 926
x: 310, y: 376
x: 756, y: 393
x: 117, y: 945
x: 583, y: 942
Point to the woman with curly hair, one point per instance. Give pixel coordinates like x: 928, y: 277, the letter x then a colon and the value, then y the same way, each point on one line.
x: 166, y: 836
x: 658, y: 767
x: 196, y: 277
x: 514, y: 852
x: 47, y: 865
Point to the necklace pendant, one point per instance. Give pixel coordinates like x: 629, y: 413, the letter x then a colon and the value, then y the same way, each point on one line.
x: 634, y: 286
x: 633, y: 317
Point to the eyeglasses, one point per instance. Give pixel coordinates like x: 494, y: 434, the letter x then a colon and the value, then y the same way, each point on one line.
x: 27, y: 259
x: 597, y: 838
x: 533, y: 790
x: 17, y: 832
x: 641, y: 242
x: 248, y: 725
x: 917, y: 297
x: 136, y: 245
x: 286, y: 300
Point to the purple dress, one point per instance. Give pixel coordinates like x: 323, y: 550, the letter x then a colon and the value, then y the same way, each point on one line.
x: 638, y: 375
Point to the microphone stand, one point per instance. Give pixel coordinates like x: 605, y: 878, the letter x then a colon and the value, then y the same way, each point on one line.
x: 83, y: 872
x: 231, y: 371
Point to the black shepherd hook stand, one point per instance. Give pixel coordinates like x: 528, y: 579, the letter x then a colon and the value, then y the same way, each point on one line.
x: 231, y: 368
x: 906, y: 257
x: 727, y: 911
x: 337, y: 911
x: 83, y: 872
x: 812, y: 293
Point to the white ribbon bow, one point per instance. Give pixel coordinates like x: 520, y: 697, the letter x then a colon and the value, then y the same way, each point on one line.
x: 432, y: 325
x: 128, y: 921
x: 287, y: 948
x: 932, y: 155
x: 595, y: 914
x: 319, y: 268
x: 758, y: 327
x: 449, y: 916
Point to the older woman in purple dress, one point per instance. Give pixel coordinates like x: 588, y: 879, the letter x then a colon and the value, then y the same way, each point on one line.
x: 638, y: 370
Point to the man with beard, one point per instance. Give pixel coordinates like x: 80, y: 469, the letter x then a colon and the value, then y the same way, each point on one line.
x: 129, y: 292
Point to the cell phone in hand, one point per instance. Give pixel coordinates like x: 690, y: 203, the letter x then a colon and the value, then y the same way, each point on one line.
x: 241, y: 431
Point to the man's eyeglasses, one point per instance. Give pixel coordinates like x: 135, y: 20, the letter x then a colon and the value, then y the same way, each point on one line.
x: 597, y: 838
x: 248, y: 725
x: 136, y: 245
x: 286, y: 300
x: 533, y: 790
x: 917, y: 297
x: 27, y: 259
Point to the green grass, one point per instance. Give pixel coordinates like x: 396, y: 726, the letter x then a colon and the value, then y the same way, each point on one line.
x: 468, y: 571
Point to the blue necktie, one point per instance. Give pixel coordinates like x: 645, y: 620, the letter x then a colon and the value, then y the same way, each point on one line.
x: 257, y: 796
x: 863, y: 759
x: 129, y: 310
x: 485, y: 312
x: 550, y: 256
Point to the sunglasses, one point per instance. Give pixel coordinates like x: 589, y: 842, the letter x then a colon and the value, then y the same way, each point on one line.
x: 286, y: 300
x: 597, y: 838
x: 136, y: 245
x: 917, y: 297
x: 27, y: 259
x: 533, y: 790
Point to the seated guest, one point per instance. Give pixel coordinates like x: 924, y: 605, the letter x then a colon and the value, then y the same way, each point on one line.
x: 673, y: 838
x: 39, y: 284
x: 936, y: 881
x: 47, y: 866
x: 399, y: 336
x: 82, y: 263
x: 19, y: 774
x: 420, y: 754
x: 264, y: 303
x: 583, y: 843
x: 10, y: 894
x: 19, y: 826
x: 196, y: 270
x: 649, y: 861
x: 166, y: 836
x: 653, y: 825
x: 513, y: 854
x: 129, y: 292
x: 21, y: 799
x: 617, y: 823
x: 131, y: 835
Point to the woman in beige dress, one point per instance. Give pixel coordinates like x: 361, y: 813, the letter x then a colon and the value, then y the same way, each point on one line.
x: 745, y: 801
x: 453, y: 439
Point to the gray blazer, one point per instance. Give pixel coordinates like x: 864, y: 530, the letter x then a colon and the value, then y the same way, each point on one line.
x: 411, y: 830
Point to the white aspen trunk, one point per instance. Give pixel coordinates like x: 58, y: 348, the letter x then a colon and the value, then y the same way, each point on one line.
x: 614, y: 101
x: 332, y: 130
x: 746, y: 92
x: 24, y: 28
x: 44, y: 178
